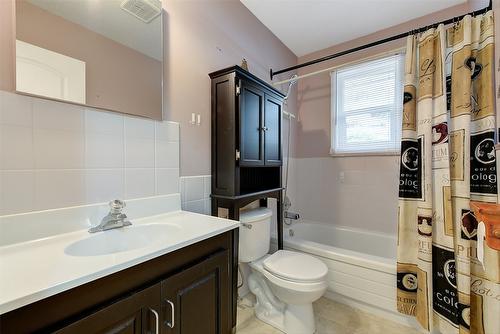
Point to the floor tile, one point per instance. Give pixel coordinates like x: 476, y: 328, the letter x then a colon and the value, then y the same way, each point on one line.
x: 331, y: 318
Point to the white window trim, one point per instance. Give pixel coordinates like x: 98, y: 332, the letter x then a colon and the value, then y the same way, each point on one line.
x: 333, y: 107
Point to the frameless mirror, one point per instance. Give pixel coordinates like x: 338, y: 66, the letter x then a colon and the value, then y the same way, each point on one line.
x: 101, y: 53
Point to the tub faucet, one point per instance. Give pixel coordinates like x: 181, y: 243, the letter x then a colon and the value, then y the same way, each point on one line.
x: 291, y: 215
x: 114, y: 219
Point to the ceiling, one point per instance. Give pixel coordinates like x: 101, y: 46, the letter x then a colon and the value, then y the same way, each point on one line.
x: 305, y: 26
x: 108, y: 19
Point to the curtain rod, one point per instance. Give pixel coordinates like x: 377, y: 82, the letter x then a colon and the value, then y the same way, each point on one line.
x: 329, y: 69
x: 382, y: 41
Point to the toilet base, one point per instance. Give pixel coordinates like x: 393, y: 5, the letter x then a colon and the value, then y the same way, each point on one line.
x: 299, y: 319
x: 288, y: 318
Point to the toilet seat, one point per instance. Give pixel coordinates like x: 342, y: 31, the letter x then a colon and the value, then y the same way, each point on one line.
x: 295, y: 267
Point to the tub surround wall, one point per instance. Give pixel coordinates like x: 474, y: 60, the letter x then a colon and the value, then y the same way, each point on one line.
x: 359, y: 192
x: 55, y: 155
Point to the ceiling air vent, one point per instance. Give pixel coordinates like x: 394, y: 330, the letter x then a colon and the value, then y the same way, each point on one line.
x: 144, y: 10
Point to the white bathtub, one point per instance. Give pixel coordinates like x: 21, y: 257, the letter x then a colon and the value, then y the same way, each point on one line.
x: 362, y: 264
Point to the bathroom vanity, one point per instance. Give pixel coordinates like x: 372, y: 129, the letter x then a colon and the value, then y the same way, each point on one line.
x: 181, y: 280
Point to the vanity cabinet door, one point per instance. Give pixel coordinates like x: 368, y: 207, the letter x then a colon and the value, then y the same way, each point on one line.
x: 132, y: 315
x: 197, y: 300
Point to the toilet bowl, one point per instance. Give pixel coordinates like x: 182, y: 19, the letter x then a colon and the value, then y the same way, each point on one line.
x: 285, y: 283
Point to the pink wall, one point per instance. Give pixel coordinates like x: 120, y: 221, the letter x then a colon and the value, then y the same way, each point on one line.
x: 117, y: 77
x: 201, y: 37
x: 7, y: 31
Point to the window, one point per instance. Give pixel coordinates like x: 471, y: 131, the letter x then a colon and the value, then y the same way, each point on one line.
x: 367, y: 102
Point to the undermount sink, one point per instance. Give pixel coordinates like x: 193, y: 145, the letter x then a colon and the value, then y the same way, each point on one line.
x: 121, y: 239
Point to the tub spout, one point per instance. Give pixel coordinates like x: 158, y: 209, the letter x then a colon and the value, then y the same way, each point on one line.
x: 291, y: 215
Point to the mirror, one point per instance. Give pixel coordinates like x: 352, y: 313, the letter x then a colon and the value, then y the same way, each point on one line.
x: 100, y: 53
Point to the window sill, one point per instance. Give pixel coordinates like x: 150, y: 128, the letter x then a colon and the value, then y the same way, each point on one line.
x: 365, y: 154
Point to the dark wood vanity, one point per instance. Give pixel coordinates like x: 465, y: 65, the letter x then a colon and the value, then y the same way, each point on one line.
x: 190, y: 291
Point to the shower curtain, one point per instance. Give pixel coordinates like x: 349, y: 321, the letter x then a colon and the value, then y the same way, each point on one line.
x: 447, y: 160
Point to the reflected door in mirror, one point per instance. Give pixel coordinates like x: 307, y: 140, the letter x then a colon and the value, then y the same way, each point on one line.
x: 103, y: 54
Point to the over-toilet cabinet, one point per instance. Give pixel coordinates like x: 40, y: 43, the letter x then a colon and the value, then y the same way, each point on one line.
x: 246, y: 142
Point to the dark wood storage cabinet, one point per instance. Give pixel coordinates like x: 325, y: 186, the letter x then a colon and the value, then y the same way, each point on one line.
x: 189, y: 291
x: 246, y: 142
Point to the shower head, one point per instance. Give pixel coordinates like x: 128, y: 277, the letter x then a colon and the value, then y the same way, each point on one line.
x: 290, y: 85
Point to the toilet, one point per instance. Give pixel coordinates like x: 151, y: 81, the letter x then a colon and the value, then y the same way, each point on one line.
x: 285, y: 283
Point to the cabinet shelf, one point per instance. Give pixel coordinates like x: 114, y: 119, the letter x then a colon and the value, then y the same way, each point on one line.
x: 257, y: 194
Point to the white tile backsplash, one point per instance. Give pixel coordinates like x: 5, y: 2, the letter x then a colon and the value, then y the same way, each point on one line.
x: 17, y: 110
x: 55, y: 155
x: 17, y: 190
x: 167, y: 181
x: 98, y: 122
x: 57, y: 116
x: 139, y: 182
x: 55, y: 149
x: 103, y: 184
x: 167, y: 131
x: 104, y: 150
x: 195, y: 193
x: 20, y: 155
x: 167, y: 154
x: 59, y: 188
x: 139, y: 152
x: 194, y: 188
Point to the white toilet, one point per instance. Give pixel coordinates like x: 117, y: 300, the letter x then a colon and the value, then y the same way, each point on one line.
x: 285, y: 283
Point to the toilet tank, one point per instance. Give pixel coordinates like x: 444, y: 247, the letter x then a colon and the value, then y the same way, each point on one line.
x: 255, y: 234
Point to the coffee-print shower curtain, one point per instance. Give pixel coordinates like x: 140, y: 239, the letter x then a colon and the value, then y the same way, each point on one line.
x: 448, y: 160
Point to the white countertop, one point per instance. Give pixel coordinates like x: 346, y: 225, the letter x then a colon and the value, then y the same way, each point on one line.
x: 36, y: 269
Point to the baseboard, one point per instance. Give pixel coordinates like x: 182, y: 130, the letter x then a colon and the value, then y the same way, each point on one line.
x: 393, y: 316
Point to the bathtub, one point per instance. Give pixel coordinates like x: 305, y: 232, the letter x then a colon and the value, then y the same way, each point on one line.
x: 361, y: 264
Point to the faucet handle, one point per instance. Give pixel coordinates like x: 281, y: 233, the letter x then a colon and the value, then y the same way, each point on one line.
x: 117, y: 205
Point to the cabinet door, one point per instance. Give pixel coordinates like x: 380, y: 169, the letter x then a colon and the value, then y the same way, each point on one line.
x: 272, y: 130
x: 132, y: 315
x: 251, y: 122
x: 197, y: 300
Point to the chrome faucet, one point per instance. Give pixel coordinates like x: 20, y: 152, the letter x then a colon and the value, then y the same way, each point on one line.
x: 114, y: 219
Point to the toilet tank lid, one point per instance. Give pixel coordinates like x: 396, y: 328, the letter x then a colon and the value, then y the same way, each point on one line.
x: 254, y: 215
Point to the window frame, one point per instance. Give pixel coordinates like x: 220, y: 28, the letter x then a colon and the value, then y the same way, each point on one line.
x: 333, y: 107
